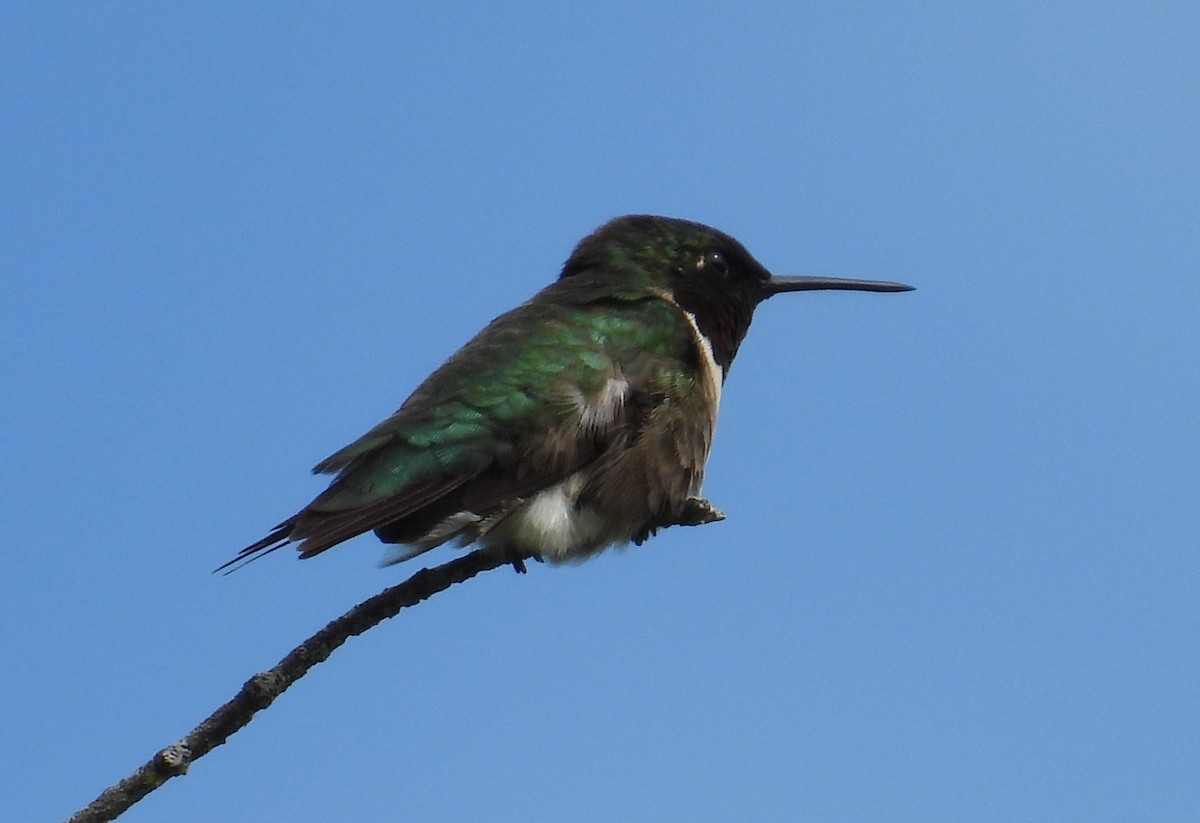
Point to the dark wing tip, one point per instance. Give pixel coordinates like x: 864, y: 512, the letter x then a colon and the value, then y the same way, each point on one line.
x: 277, y: 539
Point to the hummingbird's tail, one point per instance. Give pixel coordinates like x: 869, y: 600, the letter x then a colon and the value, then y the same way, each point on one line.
x: 277, y: 539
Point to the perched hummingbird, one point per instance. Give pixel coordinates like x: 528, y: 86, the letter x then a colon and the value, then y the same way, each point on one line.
x: 581, y: 419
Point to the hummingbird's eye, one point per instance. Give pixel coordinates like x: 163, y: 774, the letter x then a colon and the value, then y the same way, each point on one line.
x: 717, y: 262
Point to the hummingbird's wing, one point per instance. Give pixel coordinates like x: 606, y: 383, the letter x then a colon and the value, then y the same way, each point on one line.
x: 541, y: 392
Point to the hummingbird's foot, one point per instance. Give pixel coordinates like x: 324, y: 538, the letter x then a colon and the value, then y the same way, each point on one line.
x: 518, y: 558
x: 695, y: 512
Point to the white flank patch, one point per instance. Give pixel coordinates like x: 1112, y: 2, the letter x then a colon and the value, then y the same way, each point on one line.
x: 551, y: 521
x: 601, y: 413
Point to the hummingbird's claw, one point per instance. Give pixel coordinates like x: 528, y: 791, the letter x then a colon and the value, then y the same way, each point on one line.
x: 695, y: 512
x: 517, y: 559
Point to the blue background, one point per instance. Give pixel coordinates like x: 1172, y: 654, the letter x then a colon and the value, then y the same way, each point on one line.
x: 959, y: 576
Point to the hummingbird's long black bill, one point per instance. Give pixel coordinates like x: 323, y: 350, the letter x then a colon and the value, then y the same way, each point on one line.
x: 778, y: 285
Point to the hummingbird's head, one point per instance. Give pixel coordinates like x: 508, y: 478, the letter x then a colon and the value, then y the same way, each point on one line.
x: 704, y: 271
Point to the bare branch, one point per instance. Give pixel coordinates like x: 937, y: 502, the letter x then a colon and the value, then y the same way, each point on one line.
x: 262, y: 689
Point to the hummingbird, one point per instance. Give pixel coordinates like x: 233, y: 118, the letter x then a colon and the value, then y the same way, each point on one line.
x: 580, y: 420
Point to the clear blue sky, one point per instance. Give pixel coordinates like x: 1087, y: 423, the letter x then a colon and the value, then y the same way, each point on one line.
x: 959, y: 579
